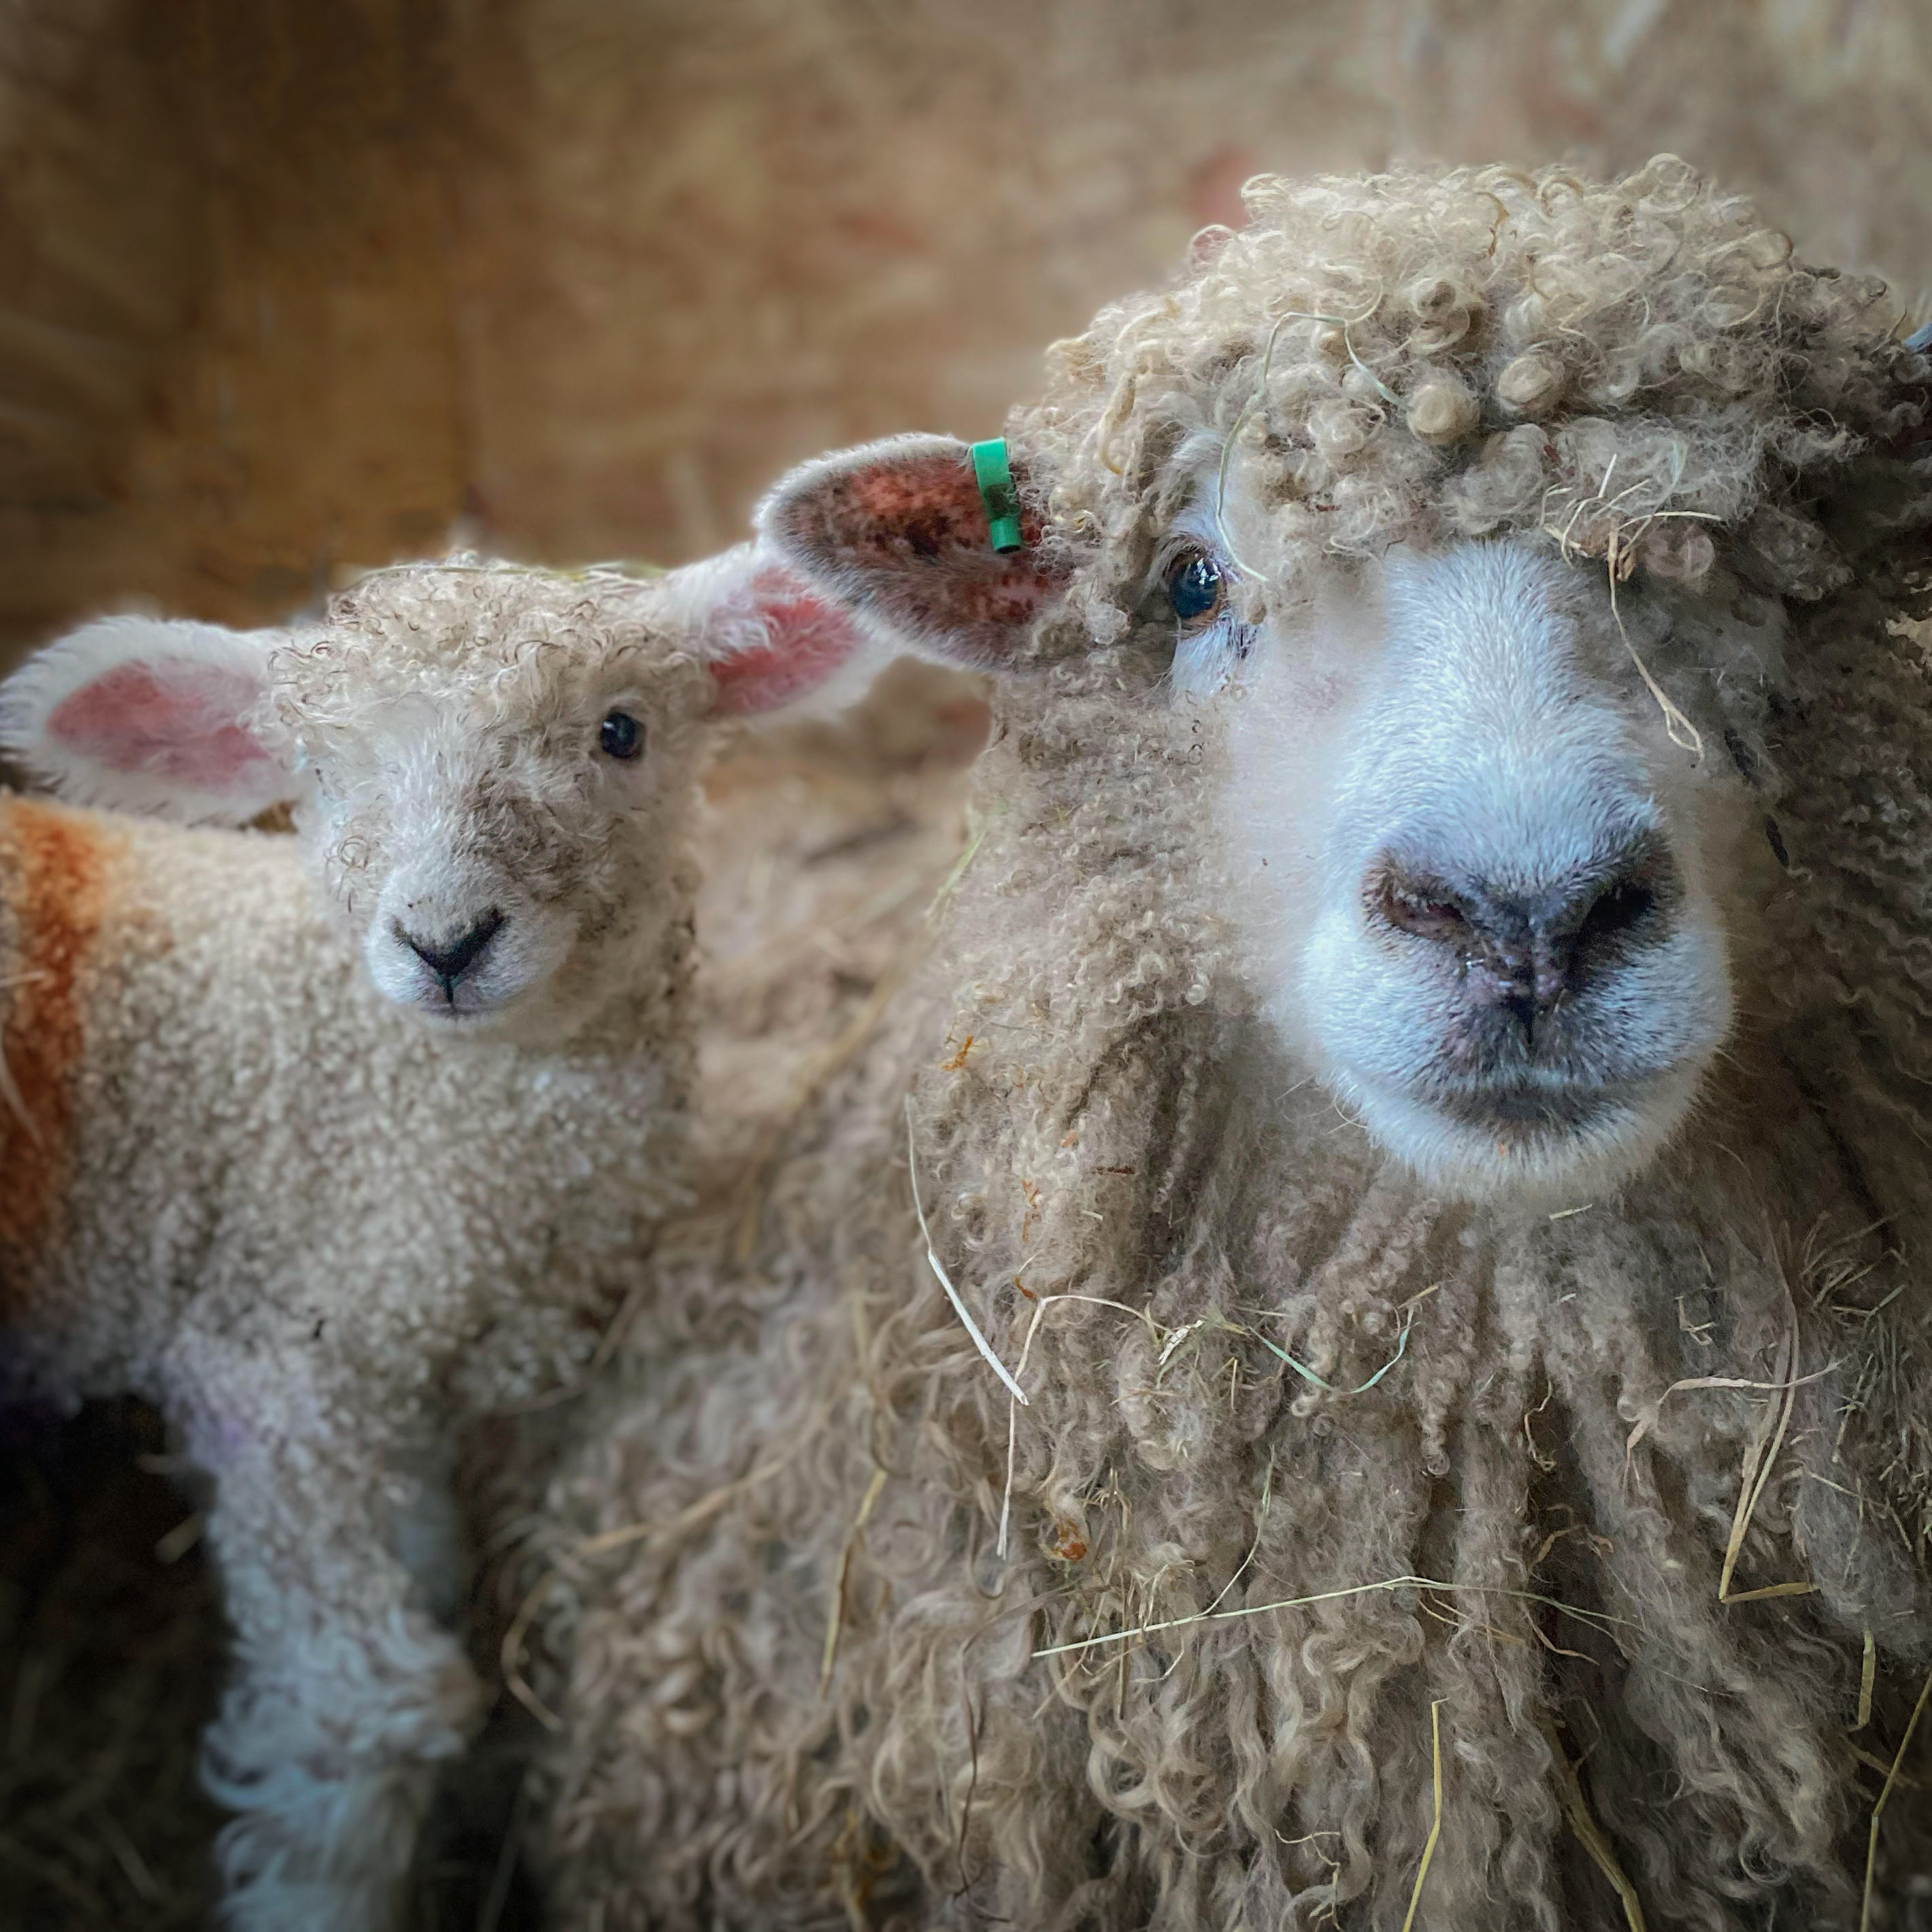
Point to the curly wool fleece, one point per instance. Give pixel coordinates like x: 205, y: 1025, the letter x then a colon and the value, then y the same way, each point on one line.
x: 1417, y: 356
x: 1615, y: 1504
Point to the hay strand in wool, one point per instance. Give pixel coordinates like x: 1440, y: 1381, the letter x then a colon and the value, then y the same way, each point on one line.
x: 1647, y: 1420
x: 1436, y: 1823
x: 959, y: 1308
x: 1589, y: 1833
x: 1682, y: 732
x: 836, y: 1617
x: 1891, y: 1778
x: 1760, y: 1460
x: 1040, y: 1306
x: 701, y: 1511
x: 510, y: 1653
x: 1595, y: 1619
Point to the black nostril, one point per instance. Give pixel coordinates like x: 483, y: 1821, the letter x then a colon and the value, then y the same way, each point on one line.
x: 1620, y: 909
x: 1420, y: 904
x: 449, y: 963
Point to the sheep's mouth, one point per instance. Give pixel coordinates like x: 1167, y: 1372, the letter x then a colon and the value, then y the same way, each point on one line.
x: 1529, y: 1142
x: 1568, y: 1109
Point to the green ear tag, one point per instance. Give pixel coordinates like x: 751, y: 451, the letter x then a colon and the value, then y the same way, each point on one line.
x: 995, y: 479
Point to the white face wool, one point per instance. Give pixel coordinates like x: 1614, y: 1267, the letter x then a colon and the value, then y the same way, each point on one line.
x: 482, y: 759
x: 1473, y: 872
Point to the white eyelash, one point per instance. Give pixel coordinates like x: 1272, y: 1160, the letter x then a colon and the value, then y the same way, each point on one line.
x: 1203, y: 659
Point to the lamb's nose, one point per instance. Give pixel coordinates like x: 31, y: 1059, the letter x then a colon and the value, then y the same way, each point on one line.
x: 449, y: 961
x: 1528, y: 948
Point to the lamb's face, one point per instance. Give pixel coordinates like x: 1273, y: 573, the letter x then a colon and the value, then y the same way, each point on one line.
x: 1477, y: 879
x: 493, y: 769
x: 500, y: 824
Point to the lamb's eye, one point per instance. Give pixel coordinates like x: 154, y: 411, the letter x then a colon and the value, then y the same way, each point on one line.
x: 1194, y: 586
x: 621, y: 736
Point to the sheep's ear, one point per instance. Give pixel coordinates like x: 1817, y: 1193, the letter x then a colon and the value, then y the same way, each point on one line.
x: 898, y: 532
x: 769, y: 638
x: 149, y: 716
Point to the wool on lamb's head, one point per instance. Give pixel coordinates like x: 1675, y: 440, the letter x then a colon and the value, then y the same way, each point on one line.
x: 489, y: 764
x: 1465, y: 516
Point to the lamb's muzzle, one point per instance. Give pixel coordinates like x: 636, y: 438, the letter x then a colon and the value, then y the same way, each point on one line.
x: 448, y: 960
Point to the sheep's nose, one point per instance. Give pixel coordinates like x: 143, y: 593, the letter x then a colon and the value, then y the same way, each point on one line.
x: 1526, y: 949
x: 450, y: 960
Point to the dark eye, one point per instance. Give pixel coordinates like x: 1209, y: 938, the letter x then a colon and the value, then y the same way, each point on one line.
x: 621, y: 735
x: 1194, y: 586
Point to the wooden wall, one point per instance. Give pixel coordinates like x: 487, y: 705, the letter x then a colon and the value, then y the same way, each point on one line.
x: 287, y: 286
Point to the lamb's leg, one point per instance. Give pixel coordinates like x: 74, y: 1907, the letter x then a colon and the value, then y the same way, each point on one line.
x: 344, y: 1696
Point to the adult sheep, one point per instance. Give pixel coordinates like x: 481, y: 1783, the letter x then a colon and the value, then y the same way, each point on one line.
x: 1422, y: 1084
x: 324, y: 1144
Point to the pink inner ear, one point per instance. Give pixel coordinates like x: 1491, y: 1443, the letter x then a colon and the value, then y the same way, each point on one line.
x: 809, y: 640
x: 178, y: 724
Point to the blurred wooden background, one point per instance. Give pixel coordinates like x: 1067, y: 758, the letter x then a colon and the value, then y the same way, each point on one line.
x: 291, y: 285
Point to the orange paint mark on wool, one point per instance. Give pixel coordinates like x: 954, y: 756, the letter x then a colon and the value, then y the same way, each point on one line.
x: 51, y: 871
x: 1031, y: 1190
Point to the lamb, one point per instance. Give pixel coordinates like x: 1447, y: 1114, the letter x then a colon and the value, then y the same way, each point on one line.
x: 1359, y: 1346
x: 326, y: 1144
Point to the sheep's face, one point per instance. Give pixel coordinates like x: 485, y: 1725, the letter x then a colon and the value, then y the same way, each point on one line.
x: 492, y: 770
x: 1475, y: 880
x: 501, y: 827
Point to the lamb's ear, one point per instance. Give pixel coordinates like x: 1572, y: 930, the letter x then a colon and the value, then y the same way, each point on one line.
x: 769, y: 638
x: 149, y: 716
x: 898, y: 531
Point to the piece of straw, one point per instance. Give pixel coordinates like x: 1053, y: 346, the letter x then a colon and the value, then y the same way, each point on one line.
x: 1646, y: 1421
x: 510, y: 1653
x: 1878, y: 1809
x: 1677, y: 727
x: 499, y: 1894
x: 1040, y: 1307
x: 1308, y: 1374
x: 1594, y: 1617
x: 834, y: 1619
x: 1589, y: 1833
x: 1620, y: 560
x: 959, y: 1308
x: 1756, y: 1478
x: 1436, y: 1826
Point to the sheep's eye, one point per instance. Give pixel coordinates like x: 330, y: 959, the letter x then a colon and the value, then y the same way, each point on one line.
x: 1194, y: 586
x: 621, y: 736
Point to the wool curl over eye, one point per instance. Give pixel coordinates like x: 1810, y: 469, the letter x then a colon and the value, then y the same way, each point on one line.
x: 1642, y: 365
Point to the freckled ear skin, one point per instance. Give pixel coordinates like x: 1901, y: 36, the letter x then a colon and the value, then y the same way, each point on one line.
x: 897, y: 531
